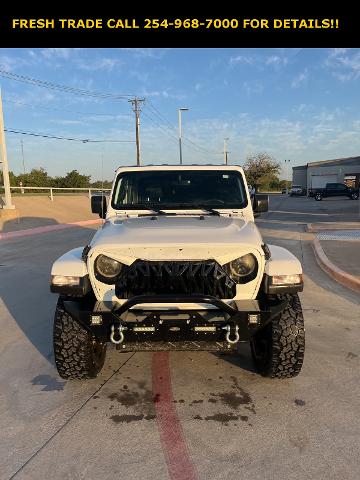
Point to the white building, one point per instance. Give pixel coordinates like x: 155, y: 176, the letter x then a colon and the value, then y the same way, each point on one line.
x: 318, y: 174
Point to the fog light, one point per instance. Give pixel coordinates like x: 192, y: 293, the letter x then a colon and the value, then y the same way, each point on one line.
x: 96, y: 320
x: 286, y: 279
x: 61, y: 280
x: 144, y: 329
x: 254, y: 319
x: 205, y: 328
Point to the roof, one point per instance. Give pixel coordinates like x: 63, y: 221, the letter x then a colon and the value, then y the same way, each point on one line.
x: 179, y: 167
x: 336, y: 161
x: 326, y: 163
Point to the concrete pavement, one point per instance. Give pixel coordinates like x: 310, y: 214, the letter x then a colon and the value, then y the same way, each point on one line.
x: 235, y: 424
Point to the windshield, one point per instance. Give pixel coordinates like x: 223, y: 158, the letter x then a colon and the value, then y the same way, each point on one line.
x: 179, y: 189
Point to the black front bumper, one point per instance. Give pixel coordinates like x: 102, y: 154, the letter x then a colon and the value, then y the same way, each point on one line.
x: 174, y: 329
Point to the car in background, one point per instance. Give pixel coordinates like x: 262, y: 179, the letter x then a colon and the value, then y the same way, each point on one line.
x: 297, y: 190
x: 284, y: 190
x: 336, y: 190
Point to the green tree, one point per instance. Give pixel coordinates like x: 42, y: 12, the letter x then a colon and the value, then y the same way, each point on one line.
x: 261, y: 169
x: 38, y: 177
x: 101, y: 184
x: 74, y: 179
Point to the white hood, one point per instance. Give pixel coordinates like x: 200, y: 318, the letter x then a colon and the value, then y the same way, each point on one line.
x: 177, y: 237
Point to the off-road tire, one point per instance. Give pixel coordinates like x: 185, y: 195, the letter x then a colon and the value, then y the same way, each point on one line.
x: 78, y: 354
x: 278, y: 349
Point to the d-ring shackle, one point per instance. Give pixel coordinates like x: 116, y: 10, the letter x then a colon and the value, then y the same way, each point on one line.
x: 228, y: 333
x: 120, y: 329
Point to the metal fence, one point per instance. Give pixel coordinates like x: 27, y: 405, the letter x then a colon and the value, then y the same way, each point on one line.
x: 51, y: 190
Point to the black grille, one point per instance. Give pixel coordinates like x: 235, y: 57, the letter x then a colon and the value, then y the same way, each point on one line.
x: 155, y: 278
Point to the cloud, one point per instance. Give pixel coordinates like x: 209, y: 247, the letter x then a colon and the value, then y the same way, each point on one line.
x: 300, y: 79
x: 11, y: 63
x: 344, y: 64
x: 62, y: 53
x: 276, y: 61
x: 107, y: 64
x: 143, y: 53
x: 242, y: 59
x: 253, y: 88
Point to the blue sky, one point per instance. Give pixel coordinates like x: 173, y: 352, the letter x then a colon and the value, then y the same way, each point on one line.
x: 297, y: 104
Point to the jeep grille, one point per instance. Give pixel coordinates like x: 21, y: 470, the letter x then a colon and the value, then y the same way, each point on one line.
x: 155, y: 278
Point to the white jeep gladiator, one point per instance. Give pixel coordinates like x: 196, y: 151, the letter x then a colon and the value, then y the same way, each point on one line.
x: 178, y: 264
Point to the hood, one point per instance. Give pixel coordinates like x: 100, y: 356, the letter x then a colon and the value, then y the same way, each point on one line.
x: 177, y: 231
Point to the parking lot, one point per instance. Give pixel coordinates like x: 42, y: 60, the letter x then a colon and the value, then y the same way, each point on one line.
x: 183, y: 415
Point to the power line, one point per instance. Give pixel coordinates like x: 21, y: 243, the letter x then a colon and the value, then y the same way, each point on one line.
x: 67, y: 110
x: 192, y: 145
x: 62, y: 88
x: 56, y: 137
x: 156, y: 112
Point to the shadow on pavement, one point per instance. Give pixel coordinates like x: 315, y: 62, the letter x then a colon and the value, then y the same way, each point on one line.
x: 241, y: 358
x: 23, y: 223
x: 25, y: 266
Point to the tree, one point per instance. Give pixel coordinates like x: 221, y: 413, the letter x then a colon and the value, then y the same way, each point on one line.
x: 101, y: 184
x: 261, y: 170
x: 74, y: 179
x: 38, y: 177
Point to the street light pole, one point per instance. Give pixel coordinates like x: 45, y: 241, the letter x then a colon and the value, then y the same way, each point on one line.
x: 22, y: 154
x: 225, y: 151
x: 286, y: 174
x: 5, y: 169
x: 180, y: 133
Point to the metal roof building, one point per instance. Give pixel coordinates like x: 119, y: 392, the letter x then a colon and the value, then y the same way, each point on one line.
x: 318, y: 174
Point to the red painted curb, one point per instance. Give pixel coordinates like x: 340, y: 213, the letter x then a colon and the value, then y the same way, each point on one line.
x: 47, y: 228
x: 335, y: 272
x: 178, y: 461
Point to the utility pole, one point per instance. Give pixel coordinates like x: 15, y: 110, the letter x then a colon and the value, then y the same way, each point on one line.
x: 5, y: 169
x: 180, y: 132
x: 22, y: 154
x: 136, y: 103
x: 286, y: 173
x: 225, y: 151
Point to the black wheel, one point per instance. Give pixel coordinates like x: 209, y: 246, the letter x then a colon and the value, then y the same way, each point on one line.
x: 354, y: 196
x: 278, y: 349
x: 78, y: 354
x: 318, y: 197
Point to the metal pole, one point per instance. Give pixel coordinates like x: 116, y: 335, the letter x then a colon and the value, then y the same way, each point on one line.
x: 22, y: 154
x: 225, y: 151
x: 5, y: 169
x: 137, y: 128
x: 286, y: 173
x: 135, y: 103
x: 180, y: 147
x: 180, y: 133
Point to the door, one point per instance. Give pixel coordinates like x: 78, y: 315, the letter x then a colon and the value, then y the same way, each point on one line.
x: 320, y: 181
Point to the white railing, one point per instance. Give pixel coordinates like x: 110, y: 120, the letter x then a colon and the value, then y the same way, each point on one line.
x: 52, y: 189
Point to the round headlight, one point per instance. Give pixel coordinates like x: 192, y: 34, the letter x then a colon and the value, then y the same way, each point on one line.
x: 107, y: 267
x: 243, y: 266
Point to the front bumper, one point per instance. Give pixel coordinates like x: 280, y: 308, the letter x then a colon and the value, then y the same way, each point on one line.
x: 175, y: 328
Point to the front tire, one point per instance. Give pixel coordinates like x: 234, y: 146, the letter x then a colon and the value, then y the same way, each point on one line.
x: 278, y: 349
x: 78, y: 354
x: 318, y: 197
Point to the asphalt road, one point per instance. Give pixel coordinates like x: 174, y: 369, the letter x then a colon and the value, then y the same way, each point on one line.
x: 219, y: 420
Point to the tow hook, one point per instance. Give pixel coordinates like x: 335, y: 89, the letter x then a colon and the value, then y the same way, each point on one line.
x: 117, y: 331
x: 228, y: 333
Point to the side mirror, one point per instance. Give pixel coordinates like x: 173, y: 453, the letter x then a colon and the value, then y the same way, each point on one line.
x: 260, y: 204
x: 98, y: 205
